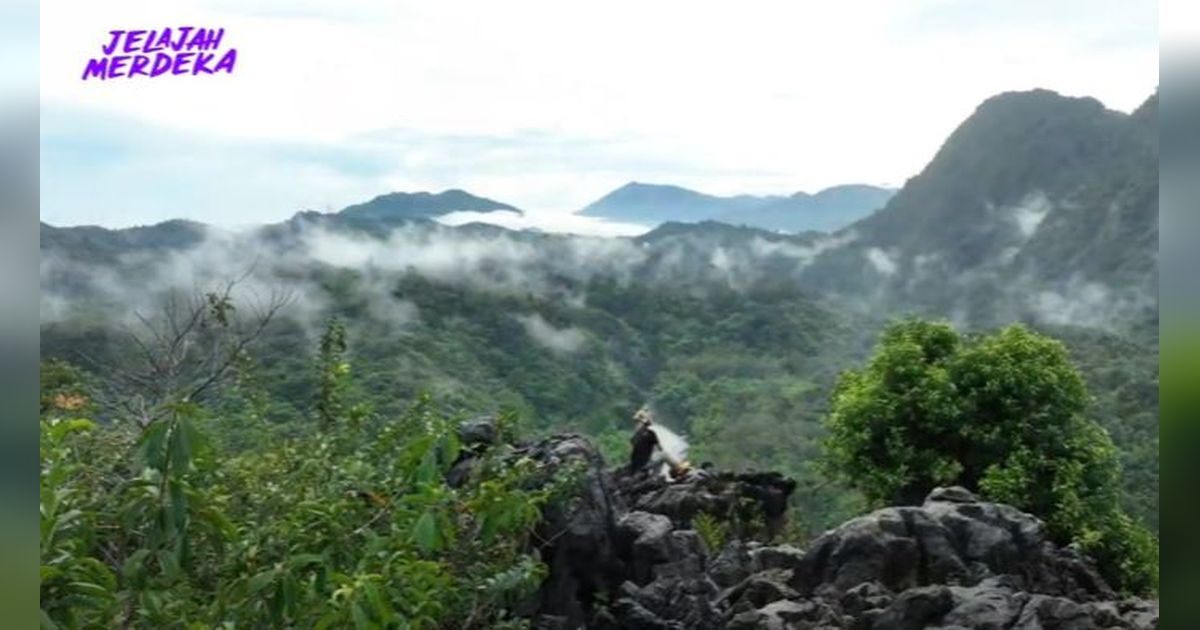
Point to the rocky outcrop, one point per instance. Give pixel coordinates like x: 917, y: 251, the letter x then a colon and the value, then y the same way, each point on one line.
x: 625, y: 554
x: 953, y: 562
x: 958, y: 562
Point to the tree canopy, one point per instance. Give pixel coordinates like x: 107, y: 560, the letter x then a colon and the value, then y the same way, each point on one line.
x: 1001, y: 414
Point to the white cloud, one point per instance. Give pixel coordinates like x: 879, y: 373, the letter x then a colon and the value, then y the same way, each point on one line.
x: 922, y: 261
x: 559, y: 340
x: 764, y: 97
x: 1082, y: 303
x: 804, y: 254
x: 881, y: 261
x: 1030, y: 212
x: 721, y: 260
x: 547, y: 221
x: 503, y: 262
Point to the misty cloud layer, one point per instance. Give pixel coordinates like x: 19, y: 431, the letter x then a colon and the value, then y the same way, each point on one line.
x: 563, y: 341
x: 559, y: 268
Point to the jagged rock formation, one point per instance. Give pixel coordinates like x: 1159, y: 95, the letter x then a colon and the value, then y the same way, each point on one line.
x: 625, y: 554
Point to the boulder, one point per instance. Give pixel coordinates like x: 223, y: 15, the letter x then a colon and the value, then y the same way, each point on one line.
x: 731, y: 565
x: 478, y: 431
x: 760, y: 589
x: 787, y: 615
x: 866, y: 596
x: 776, y: 557
x: 916, y: 609
x: 952, y: 542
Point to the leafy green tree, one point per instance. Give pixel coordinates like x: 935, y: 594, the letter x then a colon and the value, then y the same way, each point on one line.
x: 333, y: 374
x: 342, y: 529
x: 1002, y: 415
x: 152, y: 525
x: 78, y: 589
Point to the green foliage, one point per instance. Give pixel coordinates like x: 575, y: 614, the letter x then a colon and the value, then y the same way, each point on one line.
x: 283, y: 535
x: 1002, y: 414
x: 78, y: 590
x: 333, y: 374
x: 65, y: 389
x: 158, y: 526
x: 712, y: 529
x: 1122, y: 376
x: 745, y: 374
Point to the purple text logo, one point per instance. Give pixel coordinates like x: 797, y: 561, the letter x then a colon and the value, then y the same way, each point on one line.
x: 141, y: 53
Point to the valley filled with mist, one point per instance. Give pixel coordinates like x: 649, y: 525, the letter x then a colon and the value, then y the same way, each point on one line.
x: 1039, y: 209
x: 731, y: 317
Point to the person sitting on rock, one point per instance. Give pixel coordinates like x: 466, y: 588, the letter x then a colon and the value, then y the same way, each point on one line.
x: 643, y: 442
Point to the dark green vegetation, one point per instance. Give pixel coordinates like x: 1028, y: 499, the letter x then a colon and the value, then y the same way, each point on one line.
x: 1039, y: 209
x: 744, y: 374
x: 200, y: 519
x: 1000, y: 414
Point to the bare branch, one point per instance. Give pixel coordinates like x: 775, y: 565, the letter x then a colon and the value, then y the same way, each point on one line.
x: 190, y: 345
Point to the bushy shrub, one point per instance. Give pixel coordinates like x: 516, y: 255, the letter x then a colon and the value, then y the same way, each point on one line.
x: 353, y: 527
x: 1001, y: 414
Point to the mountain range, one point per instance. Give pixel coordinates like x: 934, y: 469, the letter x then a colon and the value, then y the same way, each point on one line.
x: 635, y: 203
x: 1038, y: 208
x: 825, y: 211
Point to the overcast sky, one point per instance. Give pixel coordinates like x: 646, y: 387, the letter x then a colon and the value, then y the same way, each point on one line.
x: 547, y: 105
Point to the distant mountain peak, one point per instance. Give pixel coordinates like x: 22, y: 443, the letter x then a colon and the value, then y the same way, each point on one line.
x: 1021, y: 200
x: 422, y: 205
x: 1147, y: 112
x: 657, y: 204
x: 1037, y: 97
x: 637, y: 191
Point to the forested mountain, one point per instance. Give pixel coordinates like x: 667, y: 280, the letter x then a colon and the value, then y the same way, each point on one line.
x: 824, y: 211
x: 1038, y: 208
